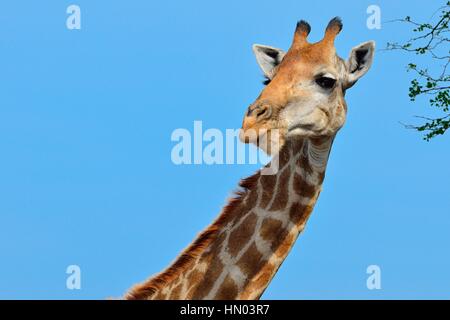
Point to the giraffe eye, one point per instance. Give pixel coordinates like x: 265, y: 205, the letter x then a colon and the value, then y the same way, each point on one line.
x: 326, y: 82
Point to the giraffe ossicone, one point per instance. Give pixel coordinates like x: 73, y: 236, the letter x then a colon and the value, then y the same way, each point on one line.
x: 303, y: 102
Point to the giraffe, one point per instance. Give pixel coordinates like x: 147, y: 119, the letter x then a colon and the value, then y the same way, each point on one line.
x: 303, y: 102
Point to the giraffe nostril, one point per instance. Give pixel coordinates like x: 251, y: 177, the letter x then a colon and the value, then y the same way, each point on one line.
x: 260, y: 112
x: 263, y: 111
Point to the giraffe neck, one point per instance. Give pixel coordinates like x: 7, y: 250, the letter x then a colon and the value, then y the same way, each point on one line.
x: 237, y: 256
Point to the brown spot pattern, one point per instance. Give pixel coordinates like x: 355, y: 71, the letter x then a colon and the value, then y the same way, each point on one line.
x: 304, y: 164
x: 268, y: 183
x: 299, y: 213
x: 303, y: 188
x: 279, y: 239
x: 285, y: 246
x: 250, y: 201
x: 211, y: 275
x: 285, y: 154
x: 270, y: 229
x: 282, y: 195
x: 251, y: 261
x: 242, y: 234
x: 228, y: 290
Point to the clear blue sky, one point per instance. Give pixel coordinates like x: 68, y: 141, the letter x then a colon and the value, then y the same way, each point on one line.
x: 86, y: 176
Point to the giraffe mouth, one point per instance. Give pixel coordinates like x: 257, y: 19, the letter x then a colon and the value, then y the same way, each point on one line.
x: 312, y: 124
x: 302, y: 126
x: 305, y: 129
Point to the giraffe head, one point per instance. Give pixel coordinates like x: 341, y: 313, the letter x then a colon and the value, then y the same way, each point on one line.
x: 305, y: 88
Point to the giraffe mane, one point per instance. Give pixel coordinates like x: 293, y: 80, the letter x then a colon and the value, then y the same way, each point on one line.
x: 196, y: 248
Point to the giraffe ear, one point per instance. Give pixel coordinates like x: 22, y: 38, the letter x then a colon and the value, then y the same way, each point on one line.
x: 268, y: 58
x: 359, y: 62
